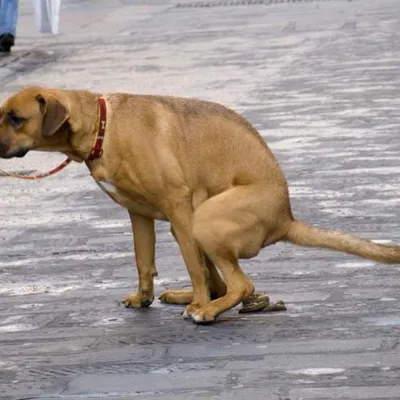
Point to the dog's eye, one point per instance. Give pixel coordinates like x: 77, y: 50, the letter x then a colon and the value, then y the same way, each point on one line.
x: 15, y: 120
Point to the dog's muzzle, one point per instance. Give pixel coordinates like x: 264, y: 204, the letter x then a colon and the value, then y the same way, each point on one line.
x: 6, y: 153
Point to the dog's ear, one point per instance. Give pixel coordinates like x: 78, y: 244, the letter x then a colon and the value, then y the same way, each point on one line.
x: 54, y: 114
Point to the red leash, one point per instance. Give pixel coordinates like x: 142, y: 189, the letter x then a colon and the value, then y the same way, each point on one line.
x: 39, y: 176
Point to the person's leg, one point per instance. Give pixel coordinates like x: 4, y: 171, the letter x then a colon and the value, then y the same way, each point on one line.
x: 8, y: 23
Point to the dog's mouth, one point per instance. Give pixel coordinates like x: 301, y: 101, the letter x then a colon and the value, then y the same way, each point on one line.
x: 21, y: 152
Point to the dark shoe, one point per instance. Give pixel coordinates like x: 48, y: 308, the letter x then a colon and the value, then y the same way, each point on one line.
x: 6, y: 42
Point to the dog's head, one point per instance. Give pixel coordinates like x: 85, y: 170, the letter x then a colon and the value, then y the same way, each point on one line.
x: 29, y: 120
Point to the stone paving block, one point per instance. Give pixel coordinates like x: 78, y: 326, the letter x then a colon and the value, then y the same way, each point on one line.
x: 288, y: 347
x: 375, y: 393
x: 297, y: 363
x: 147, y: 383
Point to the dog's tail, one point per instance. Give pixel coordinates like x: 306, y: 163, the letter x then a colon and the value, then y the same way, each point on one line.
x: 307, y: 235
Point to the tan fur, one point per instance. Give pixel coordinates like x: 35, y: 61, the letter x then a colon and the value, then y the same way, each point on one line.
x: 196, y: 164
x: 303, y: 234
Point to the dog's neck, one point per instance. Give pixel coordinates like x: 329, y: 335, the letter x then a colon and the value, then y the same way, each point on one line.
x: 83, y: 124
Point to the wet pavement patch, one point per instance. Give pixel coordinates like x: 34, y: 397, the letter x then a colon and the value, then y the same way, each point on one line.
x: 18, y: 63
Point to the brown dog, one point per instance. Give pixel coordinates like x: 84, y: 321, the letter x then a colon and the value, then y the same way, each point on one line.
x: 196, y: 164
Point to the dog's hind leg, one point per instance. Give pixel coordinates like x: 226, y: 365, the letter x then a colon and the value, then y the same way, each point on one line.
x: 236, y: 224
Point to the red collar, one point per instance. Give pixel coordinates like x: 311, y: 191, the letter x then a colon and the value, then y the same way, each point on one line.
x: 97, y: 150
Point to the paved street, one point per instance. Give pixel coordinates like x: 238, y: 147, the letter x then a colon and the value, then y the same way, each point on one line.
x: 321, y: 81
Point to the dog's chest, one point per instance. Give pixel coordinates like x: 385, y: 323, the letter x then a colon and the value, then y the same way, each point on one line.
x: 107, y: 187
x: 133, y: 203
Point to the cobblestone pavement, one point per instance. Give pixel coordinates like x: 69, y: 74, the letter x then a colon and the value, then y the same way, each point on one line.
x: 321, y: 81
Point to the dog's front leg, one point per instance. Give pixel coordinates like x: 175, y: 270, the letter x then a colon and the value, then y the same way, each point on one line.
x: 144, y: 246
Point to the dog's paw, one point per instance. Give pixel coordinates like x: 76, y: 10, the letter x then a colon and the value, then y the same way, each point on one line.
x: 137, y: 300
x: 190, y: 310
x: 176, y: 296
x: 204, y: 315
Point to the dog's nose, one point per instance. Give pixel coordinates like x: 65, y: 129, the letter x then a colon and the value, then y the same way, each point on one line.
x: 3, y: 149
